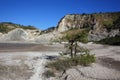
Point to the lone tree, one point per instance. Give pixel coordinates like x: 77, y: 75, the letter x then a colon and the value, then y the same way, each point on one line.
x: 73, y: 37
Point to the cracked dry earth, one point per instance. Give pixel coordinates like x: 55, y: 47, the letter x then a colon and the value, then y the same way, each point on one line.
x: 26, y: 62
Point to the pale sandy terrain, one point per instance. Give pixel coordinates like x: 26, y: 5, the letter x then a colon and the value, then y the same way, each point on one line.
x: 26, y: 62
x: 106, y: 67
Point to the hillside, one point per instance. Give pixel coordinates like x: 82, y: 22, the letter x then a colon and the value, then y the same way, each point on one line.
x: 100, y: 25
x: 92, y: 21
x: 8, y: 26
x: 16, y: 32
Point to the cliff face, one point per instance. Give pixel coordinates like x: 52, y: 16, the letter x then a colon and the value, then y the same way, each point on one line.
x: 100, y: 25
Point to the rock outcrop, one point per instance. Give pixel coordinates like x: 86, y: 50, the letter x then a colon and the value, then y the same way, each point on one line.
x: 32, y: 34
x: 100, y: 25
x: 48, y: 37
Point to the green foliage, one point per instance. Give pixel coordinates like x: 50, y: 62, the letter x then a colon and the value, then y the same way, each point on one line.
x: 72, y: 37
x: 108, y: 24
x: 4, y: 29
x: 116, y: 24
x: 8, y: 26
x: 82, y: 37
x: 110, y: 40
x: 112, y: 24
x: 75, y: 35
x: 63, y: 64
x: 60, y: 65
x: 28, y: 27
x: 86, y: 59
x: 48, y: 30
x: 48, y: 74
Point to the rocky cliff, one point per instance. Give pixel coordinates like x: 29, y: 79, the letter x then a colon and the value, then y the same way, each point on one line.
x: 100, y: 25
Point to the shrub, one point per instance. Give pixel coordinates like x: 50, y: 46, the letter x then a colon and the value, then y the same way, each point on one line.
x: 110, y: 40
x: 28, y: 27
x: 63, y: 64
x: 72, y: 37
x: 86, y: 59
x: 108, y: 24
x: 48, y: 74
x: 4, y: 29
x: 60, y: 65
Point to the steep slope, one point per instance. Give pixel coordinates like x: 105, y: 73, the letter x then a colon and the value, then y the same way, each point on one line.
x: 99, y: 25
x: 17, y: 34
x: 48, y: 37
x: 20, y: 34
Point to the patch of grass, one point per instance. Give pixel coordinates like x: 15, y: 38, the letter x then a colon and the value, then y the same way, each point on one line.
x: 63, y: 64
x: 48, y: 74
x: 86, y: 59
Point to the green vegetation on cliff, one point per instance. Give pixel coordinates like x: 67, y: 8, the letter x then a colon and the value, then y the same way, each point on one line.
x: 110, y: 40
x: 108, y: 20
x: 95, y: 21
x: 8, y: 26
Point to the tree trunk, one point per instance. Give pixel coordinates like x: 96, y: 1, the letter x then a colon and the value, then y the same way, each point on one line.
x: 75, y: 51
x: 71, y: 49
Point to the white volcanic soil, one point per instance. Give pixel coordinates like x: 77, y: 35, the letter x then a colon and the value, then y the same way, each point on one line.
x: 28, y: 64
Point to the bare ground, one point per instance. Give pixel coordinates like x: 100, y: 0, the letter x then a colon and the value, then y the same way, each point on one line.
x: 21, y: 62
x: 24, y: 47
x: 106, y: 67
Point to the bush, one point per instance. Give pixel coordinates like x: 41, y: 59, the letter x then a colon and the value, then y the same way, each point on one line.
x: 63, y: 64
x: 60, y: 65
x: 86, y: 59
x: 76, y: 35
x: 48, y: 74
x: 28, y: 27
x: 110, y: 40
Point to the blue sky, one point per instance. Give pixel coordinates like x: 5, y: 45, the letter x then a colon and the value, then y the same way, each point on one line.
x: 47, y: 13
